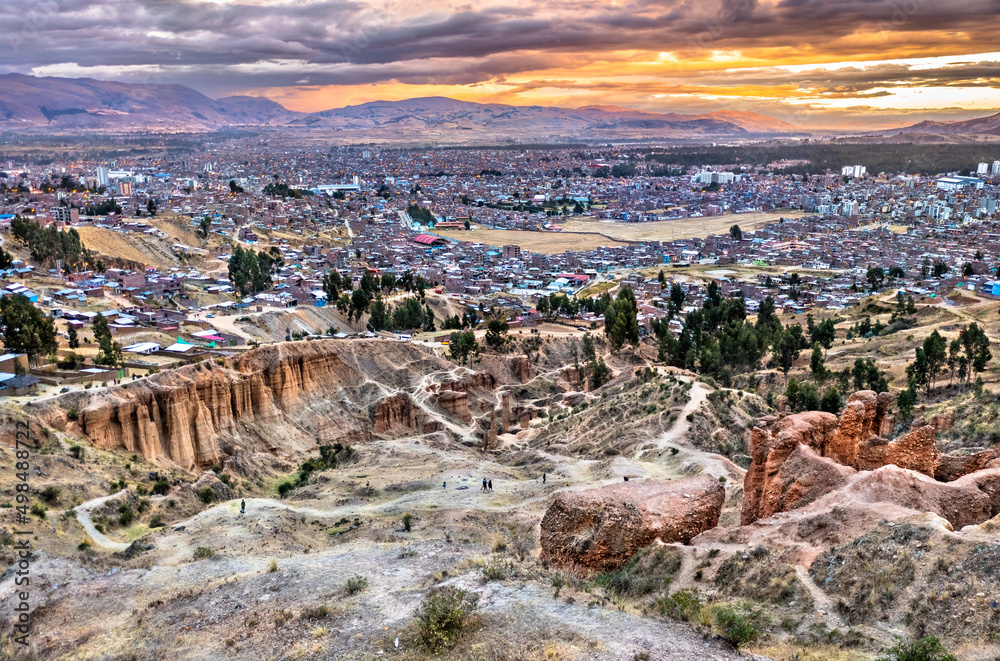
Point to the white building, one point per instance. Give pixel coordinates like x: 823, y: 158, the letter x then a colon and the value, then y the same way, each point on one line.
x: 984, y: 168
x: 853, y: 171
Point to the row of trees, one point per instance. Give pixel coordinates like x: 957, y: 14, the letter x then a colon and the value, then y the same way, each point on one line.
x: 408, y: 315
x: 964, y: 356
x: 251, y: 272
x: 49, y: 245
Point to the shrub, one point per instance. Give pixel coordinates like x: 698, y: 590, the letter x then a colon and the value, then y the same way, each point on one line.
x: 443, y: 615
x: 161, y: 487
x: 73, y: 414
x: 50, y: 494
x: 272, y: 566
x: 498, y: 569
x: 683, y: 605
x: 285, y: 488
x: 203, y: 552
x: 76, y: 451
x: 156, y: 521
x: 355, y: 584
x: 83, y: 546
x: 646, y: 572
x: 226, y: 479
x: 38, y: 509
x: 925, y: 649
x: 206, y: 495
x: 739, y: 627
x: 407, y: 522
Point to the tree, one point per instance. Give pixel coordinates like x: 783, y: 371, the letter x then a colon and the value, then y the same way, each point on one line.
x: 74, y: 340
x: 359, y: 304
x: 331, y: 285
x: 25, y: 328
x: 936, y: 352
x: 151, y: 206
x: 542, y: 307
x: 387, y: 283
x: 896, y: 272
x: 816, y: 362
x: 496, y: 333
x: 940, y: 269
x: 379, y: 320
x: 830, y: 401
x: 788, y: 345
x: 204, y: 226
x: 461, y: 345
x: 875, y: 277
x: 967, y: 270
x: 235, y: 188
x: 976, y: 346
x: 110, y: 353
x: 6, y: 260
x: 621, y: 322
x: 907, y: 400
x: 736, y: 233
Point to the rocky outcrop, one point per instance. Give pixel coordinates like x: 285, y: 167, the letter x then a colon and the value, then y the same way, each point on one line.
x: 799, y: 458
x: 915, y: 450
x: 862, y: 418
x: 199, y: 415
x: 952, y: 468
x: 801, y: 478
x: 399, y: 412
x: 455, y: 403
x: 601, y: 528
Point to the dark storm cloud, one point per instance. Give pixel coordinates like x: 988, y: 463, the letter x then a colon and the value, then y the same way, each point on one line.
x: 218, y: 45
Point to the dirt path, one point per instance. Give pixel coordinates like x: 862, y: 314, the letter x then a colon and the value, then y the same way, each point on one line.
x: 83, y: 516
x: 699, y: 391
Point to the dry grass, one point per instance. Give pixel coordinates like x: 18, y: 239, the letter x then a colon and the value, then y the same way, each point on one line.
x: 550, y: 243
x: 683, y: 228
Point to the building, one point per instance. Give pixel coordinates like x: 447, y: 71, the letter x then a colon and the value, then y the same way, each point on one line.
x: 984, y: 168
x: 103, y: 178
x: 996, y: 168
x: 511, y: 252
x: 853, y: 171
x: 66, y: 215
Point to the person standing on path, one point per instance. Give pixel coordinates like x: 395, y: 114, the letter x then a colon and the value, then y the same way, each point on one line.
x: 243, y: 507
x: 543, y: 478
x: 484, y: 484
x: 490, y: 484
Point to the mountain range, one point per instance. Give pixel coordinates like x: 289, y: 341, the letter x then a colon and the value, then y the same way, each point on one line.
x: 37, y: 103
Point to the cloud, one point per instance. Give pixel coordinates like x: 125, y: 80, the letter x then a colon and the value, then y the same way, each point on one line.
x: 571, y: 50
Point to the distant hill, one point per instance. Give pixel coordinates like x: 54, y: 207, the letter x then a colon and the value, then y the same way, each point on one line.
x: 89, y: 103
x: 977, y: 126
x: 84, y: 103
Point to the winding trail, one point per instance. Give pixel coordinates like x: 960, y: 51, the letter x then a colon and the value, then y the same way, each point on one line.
x: 699, y: 391
x: 83, y: 516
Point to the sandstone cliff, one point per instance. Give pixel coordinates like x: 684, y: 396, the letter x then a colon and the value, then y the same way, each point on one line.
x: 285, y: 398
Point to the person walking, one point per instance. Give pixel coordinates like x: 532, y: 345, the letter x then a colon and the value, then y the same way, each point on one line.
x: 243, y: 506
x: 490, y: 485
x: 484, y: 484
x: 543, y: 478
x: 444, y: 485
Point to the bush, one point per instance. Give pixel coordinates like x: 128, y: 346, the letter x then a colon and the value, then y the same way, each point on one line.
x: 272, y: 566
x: 161, y: 487
x: 50, y: 494
x: 443, y: 615
x: 925, y: 649
x: 355, y: 584
x: 407, y: 522
x: 38, y: 509
x: 83, y: 546
x: 646, y: 572
x: 737, y: 626
x: 73, y: 414
x: 498, y: 569
x: 206, y: 495
x: 156, y: 521
x: 203, y: 552
x: 76, y: 451
x: 285, y: 488
x: 683, y: 605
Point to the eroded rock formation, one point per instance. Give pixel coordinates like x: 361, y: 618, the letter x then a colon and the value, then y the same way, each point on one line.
x: 800, y: 458
x: 399, y: 412
x: 601, y: 528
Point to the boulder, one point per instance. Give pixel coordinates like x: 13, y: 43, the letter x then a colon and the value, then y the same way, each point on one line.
x: 602, y: 528
x: 916, y: 451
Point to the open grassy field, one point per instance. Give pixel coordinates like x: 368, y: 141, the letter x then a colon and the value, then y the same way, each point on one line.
x: 585, y: 234
x: 545, y: 242
x: 685, y: 228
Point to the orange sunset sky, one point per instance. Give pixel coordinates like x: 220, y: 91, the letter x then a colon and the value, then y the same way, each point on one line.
x: 813, y: 63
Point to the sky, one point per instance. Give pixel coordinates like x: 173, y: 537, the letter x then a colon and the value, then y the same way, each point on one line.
x: 813, y: 63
